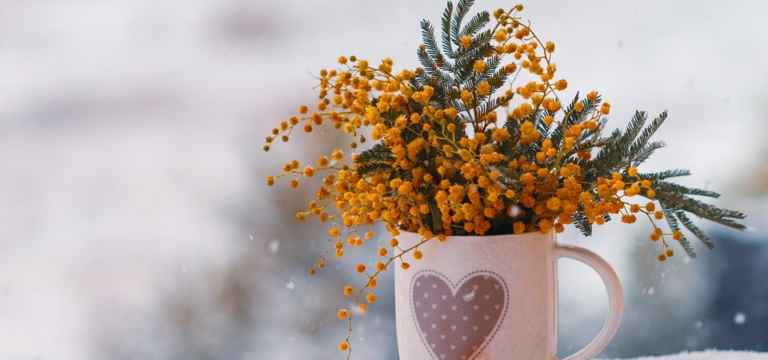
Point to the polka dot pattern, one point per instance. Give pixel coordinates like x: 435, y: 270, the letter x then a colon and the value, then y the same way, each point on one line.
x: 457, y: 321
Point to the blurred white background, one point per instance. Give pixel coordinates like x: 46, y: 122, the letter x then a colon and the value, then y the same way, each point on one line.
x: 134, y: 221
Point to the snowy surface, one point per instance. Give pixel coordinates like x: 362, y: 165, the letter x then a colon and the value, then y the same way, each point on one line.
x: 711, y: 355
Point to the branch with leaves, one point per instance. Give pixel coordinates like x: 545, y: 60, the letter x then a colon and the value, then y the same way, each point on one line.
x: 476, y: 141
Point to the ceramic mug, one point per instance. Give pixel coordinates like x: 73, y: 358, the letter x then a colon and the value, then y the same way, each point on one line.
x: 491, y: 298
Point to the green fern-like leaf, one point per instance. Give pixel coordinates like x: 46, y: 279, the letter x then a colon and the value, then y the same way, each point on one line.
x: 669, y: 187
x: 694, y: 229
x: 582, y: 223
x: 462, y: 9
x: 666, y: 174
x: 645, y: 152
x: 675, y: 226
x: 446, y: 31
x: 647, y: 133
x: 377, y: 158
x: 475, y: 24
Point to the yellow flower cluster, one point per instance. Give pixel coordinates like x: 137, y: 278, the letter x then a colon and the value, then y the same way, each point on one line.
x: 450, y: 165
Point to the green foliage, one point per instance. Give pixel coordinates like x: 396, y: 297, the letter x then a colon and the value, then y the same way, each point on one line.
x: 632, y: 147
x: 448, y: 68
x: 582, y: 223
x: 377, y: 158
x: 675, y: 226
x: 446, y: 30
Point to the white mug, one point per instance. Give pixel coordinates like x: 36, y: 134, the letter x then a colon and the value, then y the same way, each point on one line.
x: 491, y: 298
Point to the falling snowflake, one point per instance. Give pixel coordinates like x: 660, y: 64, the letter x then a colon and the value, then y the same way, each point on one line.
x: 290, y: 285
x: 274, y: 246
x: 515, y: 211
x: 739, y: 318
x: 358, y: 310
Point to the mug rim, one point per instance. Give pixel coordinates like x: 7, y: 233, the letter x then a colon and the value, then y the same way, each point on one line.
x: 514, y: 237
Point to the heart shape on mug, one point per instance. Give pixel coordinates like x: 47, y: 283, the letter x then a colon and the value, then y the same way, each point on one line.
x: 456, y: 322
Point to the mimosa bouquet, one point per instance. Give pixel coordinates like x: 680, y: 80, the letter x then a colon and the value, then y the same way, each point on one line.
x: 480, y: 140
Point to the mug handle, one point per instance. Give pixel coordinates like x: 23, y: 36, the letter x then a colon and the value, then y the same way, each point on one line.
x: 615, y: 298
